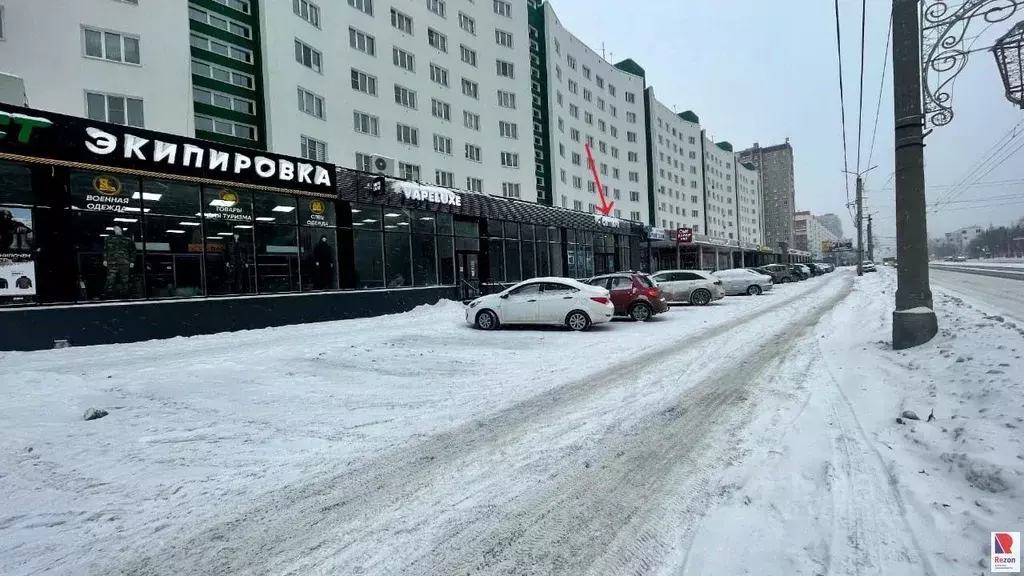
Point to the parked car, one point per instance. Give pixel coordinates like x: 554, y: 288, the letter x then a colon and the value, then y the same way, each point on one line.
x: 780, y: 273
x: 960, y: 259
x: 633, y: 294
x: 552, y: 301
x: 689, y: 286
x: 816, y: 269
x: 744, y: 281
x: 868, y: 266
x: 800, y: 271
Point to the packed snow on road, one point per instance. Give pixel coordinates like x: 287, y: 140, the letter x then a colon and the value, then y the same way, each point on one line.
x: 776, y: 434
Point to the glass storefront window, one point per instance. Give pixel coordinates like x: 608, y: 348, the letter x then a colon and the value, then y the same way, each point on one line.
x: 108, y: 250
x: 424, y: 259
x: 18, y: 266
x: 557, y: 269
x: 494, y: 228
x: 423, y: 222
x: 170, y: 198
x: 368, y: 249
x: 529, y: 259
x: 398, y: 257
x: 317, y: 213
x: 277, y: 257
x: 526, y: 231
x: 513, y: 270
x: 100, y: 192
x: 366, y: 217
x: 445, y: 224
x: 446, y: 260
x: 173, y: 242
x: 16, y: 184
x: 511, y: 230
x: 496, y: 253
x: 273, y: 208
x: 230, y: 252
x: 467, y: 228
x: 319, y: 258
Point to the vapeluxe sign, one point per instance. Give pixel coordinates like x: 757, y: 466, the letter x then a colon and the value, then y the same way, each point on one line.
x: 32, y: 133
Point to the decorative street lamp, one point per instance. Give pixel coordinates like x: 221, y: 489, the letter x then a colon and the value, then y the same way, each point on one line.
x: 930, y: 47
x: 1009, y: 53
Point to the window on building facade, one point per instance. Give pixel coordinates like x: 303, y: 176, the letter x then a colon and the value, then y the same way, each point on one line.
x: 510, y: 190
x: 437, y: 7
x: 364, y: 6
x: 510, y: 159
x: 409, y: 171
x: 401, y: 21
x: 444, y: 178
x: 365, y: 123
x: 437, y: 40
x: 403, y: 59
x: 442, y: 144
x: 204, y: 42
x: 222, y: 100
x: 311, y: 103
x: 113, y: 46
x: 239, y: 5
x: 115, y: 109
x: 471, y: 120
x: 440, y: 109
x: 312, y: 149
x: 225, y: 127
x: 307, y: 11
x: 362, y: 42
x: 503, y: 8
x: 221, y: 22
x: 408, y: 135
x: 467, y: 23
x: 503, y: 38
x: 470, y: 88
x: 363, y: 82
x: 473, y: 153
x: 506, y: 99
x: 308, y: 56
x: 439, y: 75
x: 505, y: 69
x: 405, y: 97
x: 467, y: 54
x: 474, y: 184
x: 508, y: 130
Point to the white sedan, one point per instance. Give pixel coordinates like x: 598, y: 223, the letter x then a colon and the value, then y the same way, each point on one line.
x: 551, y: 301
x: 744, y: 281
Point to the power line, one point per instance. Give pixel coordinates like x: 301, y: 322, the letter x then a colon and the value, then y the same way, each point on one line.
x: 986, y: 184
x: 995, y: 149
x: 950, y: 196
x: 881, y: 85
x: 842, y: 104
x: 860, y: 106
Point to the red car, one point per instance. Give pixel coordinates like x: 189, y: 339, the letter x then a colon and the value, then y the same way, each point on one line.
x: 633, y: 294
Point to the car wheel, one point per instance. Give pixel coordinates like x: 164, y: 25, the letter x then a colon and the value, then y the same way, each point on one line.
x: 700, y: 297
x: 754, y: 290
x: 486, y: 320
x: 577, y: 320
x: 640, y: 312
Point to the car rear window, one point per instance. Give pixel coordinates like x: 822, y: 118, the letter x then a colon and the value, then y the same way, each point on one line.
x: 645, y: 281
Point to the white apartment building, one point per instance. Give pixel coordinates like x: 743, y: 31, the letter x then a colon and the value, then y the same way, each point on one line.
x: 121, y: 61
x: 440, y: 87
x: 719, y: 192
x: 750, y: 217
x: 676, y: 161
x: 593, y: 101
x: 809, y: 233
x: 962, y: 237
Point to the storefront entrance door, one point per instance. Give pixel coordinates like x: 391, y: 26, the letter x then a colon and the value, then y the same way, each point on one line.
x: 469, y: 274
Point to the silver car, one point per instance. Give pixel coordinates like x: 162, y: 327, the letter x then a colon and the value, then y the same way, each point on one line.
x: 689, y: 286
x: 744, y: 281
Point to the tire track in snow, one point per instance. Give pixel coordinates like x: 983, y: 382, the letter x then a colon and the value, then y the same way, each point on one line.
x: 302, y: 525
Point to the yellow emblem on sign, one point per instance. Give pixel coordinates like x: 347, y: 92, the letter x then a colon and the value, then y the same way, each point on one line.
x: 229, y: 196
x: 317, y: 207
x: 107, y: 185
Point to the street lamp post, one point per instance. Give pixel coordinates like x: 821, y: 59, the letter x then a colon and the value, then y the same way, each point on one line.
x: 1009, y: 53
x: 914, y: 321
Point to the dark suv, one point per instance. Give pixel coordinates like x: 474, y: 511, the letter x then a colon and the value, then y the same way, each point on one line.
x: 780, y: 273
x: 633, y: 294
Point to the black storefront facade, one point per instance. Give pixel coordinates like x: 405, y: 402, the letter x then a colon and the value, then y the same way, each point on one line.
x: 112, y: 234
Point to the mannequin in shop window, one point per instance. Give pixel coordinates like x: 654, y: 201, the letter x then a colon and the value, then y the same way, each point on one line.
x: 119, y: 260
x: 323, y: 262
x: 239, y: 264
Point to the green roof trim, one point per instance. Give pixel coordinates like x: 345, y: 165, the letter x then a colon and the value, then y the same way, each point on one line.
x: 629, y: 65
x: 689, y: 116
x: 749, y: 166
x: 724, y: 146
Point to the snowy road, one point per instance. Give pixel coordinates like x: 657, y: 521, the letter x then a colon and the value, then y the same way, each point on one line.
x: 411, y: 444
x: 1003, y: 296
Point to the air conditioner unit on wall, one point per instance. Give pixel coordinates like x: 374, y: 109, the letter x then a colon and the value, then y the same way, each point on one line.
x: 382, y: 165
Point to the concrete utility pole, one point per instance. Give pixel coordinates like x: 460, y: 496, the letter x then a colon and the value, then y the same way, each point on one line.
x: 913, y: 322
x: 860, y: 227
x: 871, y: 242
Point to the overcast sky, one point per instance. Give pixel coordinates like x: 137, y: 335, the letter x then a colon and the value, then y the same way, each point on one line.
x: 757, y: 71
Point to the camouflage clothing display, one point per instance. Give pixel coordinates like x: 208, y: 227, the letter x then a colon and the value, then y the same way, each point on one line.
x: 119, y: 255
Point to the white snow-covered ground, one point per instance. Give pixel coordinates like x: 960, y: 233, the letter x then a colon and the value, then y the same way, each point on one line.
x: 839, y: 487
x: 754, y: 436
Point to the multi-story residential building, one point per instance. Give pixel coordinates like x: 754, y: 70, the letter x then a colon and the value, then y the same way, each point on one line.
x: 749, y: 204
x: 961, y: 238
x: 719, y: 193
x: 778, y: 189
x: 809, y: 232
x: 124, y: 62
x: 439, y: 87
x: 833, y: 223
x: 675, y: 159
x: 586, y: 100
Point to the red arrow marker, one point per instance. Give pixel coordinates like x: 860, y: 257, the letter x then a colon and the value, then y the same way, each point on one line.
x: 605, y: 207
